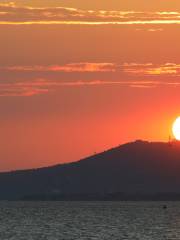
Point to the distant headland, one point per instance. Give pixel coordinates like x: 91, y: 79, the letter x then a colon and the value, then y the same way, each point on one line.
x: 138, y: 170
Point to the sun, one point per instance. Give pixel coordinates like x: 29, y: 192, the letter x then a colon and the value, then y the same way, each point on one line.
x: 176, y: 129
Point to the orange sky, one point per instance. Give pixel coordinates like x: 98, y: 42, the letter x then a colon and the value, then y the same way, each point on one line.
x: 78, y: 77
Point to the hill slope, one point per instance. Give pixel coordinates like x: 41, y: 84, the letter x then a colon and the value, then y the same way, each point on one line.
x: 134, y: 168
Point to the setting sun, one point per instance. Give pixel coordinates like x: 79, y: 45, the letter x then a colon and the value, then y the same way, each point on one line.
x: 176, y: 128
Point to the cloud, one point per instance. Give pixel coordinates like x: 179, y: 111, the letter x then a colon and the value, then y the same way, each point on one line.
x: 150, y: 29
x: 72, y: 67
x: 19, y: 80
x: 170, y: 69
x: 155, y: 29
x: 143, y: 69
x: 44, y: 86
x: 7, y: 4
x: 22, y: 90
x: 10, y: 13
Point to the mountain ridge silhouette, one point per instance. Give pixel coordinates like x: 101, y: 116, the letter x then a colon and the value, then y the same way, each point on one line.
x: 137, y: 168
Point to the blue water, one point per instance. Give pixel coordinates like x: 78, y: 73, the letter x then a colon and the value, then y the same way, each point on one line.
x: 89, y: 220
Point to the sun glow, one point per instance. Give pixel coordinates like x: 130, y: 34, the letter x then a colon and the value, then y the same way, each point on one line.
x: 176, y: 129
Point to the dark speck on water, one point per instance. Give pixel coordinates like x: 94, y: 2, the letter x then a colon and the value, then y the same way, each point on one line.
x: 89, y: 220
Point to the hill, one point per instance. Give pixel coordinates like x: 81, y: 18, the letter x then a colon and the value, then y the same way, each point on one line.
x: 136, y: 170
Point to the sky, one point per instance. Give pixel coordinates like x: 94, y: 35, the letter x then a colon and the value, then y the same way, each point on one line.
x: 79, y: 77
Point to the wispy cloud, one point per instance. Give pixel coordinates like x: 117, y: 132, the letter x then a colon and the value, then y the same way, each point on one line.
x: 71, y: 67
x: 144, y: 69
x: 12, y: 14
x: 21, y: 82
x: 44, y: 86
x: 150, y: 69
x: 150, y: 29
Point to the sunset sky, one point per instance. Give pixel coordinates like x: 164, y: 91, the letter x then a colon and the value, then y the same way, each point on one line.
x: 78, y: 77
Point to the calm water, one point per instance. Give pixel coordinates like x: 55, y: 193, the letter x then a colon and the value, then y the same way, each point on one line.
x: 89, y: 220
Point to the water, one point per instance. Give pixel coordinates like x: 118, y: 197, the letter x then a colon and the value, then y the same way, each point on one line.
x: 89, y: 220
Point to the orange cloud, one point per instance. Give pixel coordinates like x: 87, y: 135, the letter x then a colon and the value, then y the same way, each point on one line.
x: 8, y: 4
x: 44, y: 86
x: 12, y: 14
x: 149, y: 69
x: 134, y: 75
x: 72, y: 67
x: 150, y: 29
x: 144, y: 69
x: 14, y: 90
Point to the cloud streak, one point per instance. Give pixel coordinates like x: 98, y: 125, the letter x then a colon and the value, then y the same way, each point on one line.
x: 141, y: 69
x: 12, y: 14
x: 21, y: 83
x: 71, y: 67
x: 149, y: 69
x: 44, y: 86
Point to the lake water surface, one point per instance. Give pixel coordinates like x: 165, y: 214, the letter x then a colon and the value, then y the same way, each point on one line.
x: 89, y: 220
